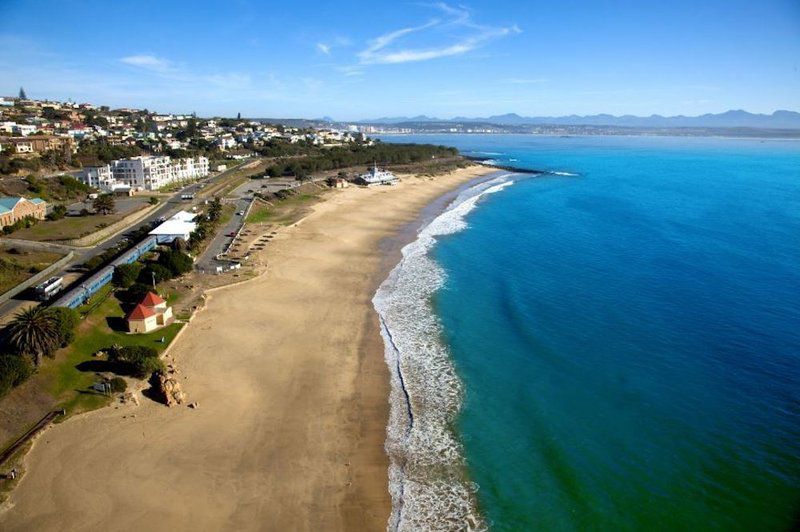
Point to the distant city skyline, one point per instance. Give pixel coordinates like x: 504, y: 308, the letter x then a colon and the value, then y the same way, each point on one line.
x: 354, y: 60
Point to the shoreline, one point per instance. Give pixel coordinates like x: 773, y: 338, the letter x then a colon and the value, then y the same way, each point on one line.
x: 292, y: 388
x: 428, y: 480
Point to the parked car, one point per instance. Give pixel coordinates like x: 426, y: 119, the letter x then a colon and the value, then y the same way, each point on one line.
x: 240, y: 213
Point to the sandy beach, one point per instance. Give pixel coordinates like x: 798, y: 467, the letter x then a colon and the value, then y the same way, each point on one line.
x: 289, y: 375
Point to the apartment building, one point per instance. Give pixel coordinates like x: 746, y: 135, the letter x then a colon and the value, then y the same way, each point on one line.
x: 150, y: 172
x: 100, y: 177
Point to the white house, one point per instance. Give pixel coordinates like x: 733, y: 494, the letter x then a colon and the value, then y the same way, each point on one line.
x: 99, y: 177
x: 23, y: 130
x: 226, y: 141
x: 179, y: 226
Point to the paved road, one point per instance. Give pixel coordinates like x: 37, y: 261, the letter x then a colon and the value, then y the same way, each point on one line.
x: 241, y: 197
x: 167, y: 208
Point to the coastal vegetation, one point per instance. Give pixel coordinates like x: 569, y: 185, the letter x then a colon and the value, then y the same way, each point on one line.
x: 315, y: 159
x: 60, y: 188
x: 283, y: 206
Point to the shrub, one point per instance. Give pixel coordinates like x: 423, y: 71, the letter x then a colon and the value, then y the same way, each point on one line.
x: 126, y: 274
x: 153, y: 200
x: 73, y: 185
x: 34, y: 185
x: 118, y: 385
x: 145, y: 367
x: 177, y: 262
x: 14, y: 370
x: 67, y: 320
x: 58, y: 212
x: 137, y: 360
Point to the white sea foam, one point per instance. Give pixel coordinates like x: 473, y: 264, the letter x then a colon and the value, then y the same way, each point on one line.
x: 565, y: 174
x: 427, y: 480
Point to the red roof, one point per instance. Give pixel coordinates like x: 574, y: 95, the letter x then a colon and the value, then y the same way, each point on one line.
x: 140, y: 312
x: 151, y: 300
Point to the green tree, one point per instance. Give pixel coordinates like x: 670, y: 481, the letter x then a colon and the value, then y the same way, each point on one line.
x: 58, y: 212
x: 126, y: 274
x: 137, y: 291
x: 34, y: 332
x: 104, y: 204
x: 156, y: 271
x: 191, y: 128
x: 215, y: 209
x: 176, y: 262
x: 67, y: 320
x: 153, y: 200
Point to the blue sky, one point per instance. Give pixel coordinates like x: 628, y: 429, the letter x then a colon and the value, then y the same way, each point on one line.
x: 353, y: 59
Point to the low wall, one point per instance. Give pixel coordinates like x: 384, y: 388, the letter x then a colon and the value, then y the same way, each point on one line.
x: 44, y: 274
x: 113, y: 229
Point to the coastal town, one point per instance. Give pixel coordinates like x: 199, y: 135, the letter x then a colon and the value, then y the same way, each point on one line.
x: 115, y: 224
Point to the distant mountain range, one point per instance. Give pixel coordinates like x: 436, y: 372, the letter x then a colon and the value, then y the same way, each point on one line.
x: 728, y: 119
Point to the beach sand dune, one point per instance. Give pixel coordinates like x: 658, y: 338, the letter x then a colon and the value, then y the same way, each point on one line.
x: 289, y: 375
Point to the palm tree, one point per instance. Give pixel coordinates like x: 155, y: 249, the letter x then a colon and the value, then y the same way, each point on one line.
x: 34, y: 332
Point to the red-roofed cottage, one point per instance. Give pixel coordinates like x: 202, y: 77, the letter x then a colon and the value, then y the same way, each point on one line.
x: 150, y: 314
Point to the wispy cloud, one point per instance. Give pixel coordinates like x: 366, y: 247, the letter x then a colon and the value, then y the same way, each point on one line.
x: 327, y: 46
x: 170, y: 70
x: 454, y: 20
x: 148, y: 62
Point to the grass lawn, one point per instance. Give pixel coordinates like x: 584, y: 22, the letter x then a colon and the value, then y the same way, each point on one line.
x: 285, y: 212
x: 68, y: 384
x: 17, y: 267
x: 69, y: 227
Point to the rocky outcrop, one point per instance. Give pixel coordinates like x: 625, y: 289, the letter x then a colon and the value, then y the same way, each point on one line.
x: 169, y: 389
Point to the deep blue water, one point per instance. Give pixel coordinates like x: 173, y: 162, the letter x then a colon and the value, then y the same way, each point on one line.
x: 629, y: 339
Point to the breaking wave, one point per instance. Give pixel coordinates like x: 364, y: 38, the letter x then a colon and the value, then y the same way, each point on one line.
x: 427, y: 475
x: 569, y: 174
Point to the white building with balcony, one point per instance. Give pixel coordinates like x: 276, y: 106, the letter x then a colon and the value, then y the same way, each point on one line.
x: 155, y: 172
x: 145, y: 172
x: 100, y: 177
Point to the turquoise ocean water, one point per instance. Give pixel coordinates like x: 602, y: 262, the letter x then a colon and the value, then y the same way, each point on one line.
x: 626, y: 338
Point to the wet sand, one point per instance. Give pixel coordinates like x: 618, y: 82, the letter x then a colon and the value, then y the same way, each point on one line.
x: 289, y: 375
